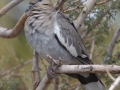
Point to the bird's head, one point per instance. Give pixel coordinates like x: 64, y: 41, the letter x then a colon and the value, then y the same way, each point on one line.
x: 38, y: 3
x: 44, y: 2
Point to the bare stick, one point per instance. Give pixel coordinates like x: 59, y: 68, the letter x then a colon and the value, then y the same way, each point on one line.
x: 59, y: 4
x: 35, y: 70
x: 43, y: 64
x: 102, y: 2
x: 7, y: 7
x: 43, y: 85
x: 111, y: 77
x: 70, y: 5
x: 11, y: 33
x: 72, y: 9
x: 112, y: 45
x: 92, y: 48
x: 56, y: 83
x: 15, y: 68
x: 116, y: 82
x: 88, y: 69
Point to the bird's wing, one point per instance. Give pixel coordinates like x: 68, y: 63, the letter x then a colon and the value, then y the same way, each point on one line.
x: 68, y: 36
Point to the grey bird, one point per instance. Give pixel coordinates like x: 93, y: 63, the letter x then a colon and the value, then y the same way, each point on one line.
x: 49, y: 32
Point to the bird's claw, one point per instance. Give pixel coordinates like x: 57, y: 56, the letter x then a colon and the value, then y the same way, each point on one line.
x: 51, y: 72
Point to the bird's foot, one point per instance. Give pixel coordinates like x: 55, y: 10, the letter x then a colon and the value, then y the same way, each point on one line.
x: 51, y: 72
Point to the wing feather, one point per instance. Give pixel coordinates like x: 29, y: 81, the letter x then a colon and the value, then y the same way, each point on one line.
x: 70, y: 39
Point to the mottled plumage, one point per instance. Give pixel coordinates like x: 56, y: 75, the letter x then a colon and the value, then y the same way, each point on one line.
x: 51, y: 33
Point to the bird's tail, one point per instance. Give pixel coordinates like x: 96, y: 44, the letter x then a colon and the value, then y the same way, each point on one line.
x: 90, y: 81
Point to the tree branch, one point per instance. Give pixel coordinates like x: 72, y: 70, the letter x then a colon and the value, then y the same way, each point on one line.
x: 88, y: 69
x: 102, y: 2
x: 35, y: 70
x: 75, y: 1
x: 78, y: 69
x: 56, y: 83
x: 92, y: 48
x: 11, y: 33
x: 116, y: 82
x: 43, y: 85
x: 15, y: 68
x: 112, y: 45
x: 59, y: 4
x: 72, y: 9
x: 97, y: 21
x: 7, y: 7
x: 86, y: 10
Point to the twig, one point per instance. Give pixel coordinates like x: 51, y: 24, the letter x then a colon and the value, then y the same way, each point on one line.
x: 35, y: 70
x: 111, y: 77
x: 116, y: 82
x: 112, y: 44
x: 44, y: 64
x: 16, y: 75
x: 73, y: 86
x: 71, y: 5
x: 56, y: 83
x: 72, y: 9
x: 59, y: 4
x: 15, y: 68
x: 57, y: 62
x: 7, y: 7
x: 78, y: 87
x: 102, y: 2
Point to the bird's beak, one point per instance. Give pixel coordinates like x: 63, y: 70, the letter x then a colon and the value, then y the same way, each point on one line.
x: 31, y: 5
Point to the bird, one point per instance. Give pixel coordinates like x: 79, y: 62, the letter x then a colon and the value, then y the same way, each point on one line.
x: 50, y: 32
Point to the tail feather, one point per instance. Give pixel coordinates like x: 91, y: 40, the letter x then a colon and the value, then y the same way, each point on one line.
x: 90, y: 81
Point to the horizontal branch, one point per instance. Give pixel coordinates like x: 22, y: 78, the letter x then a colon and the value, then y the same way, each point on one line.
x: 88, y: 69
x: 63, y: 69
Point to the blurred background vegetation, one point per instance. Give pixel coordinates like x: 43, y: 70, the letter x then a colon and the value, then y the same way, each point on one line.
x: 16, y: 51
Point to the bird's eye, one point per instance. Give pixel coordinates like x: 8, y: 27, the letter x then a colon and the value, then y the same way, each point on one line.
x: 45, y: 4
x: 39, y: 0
